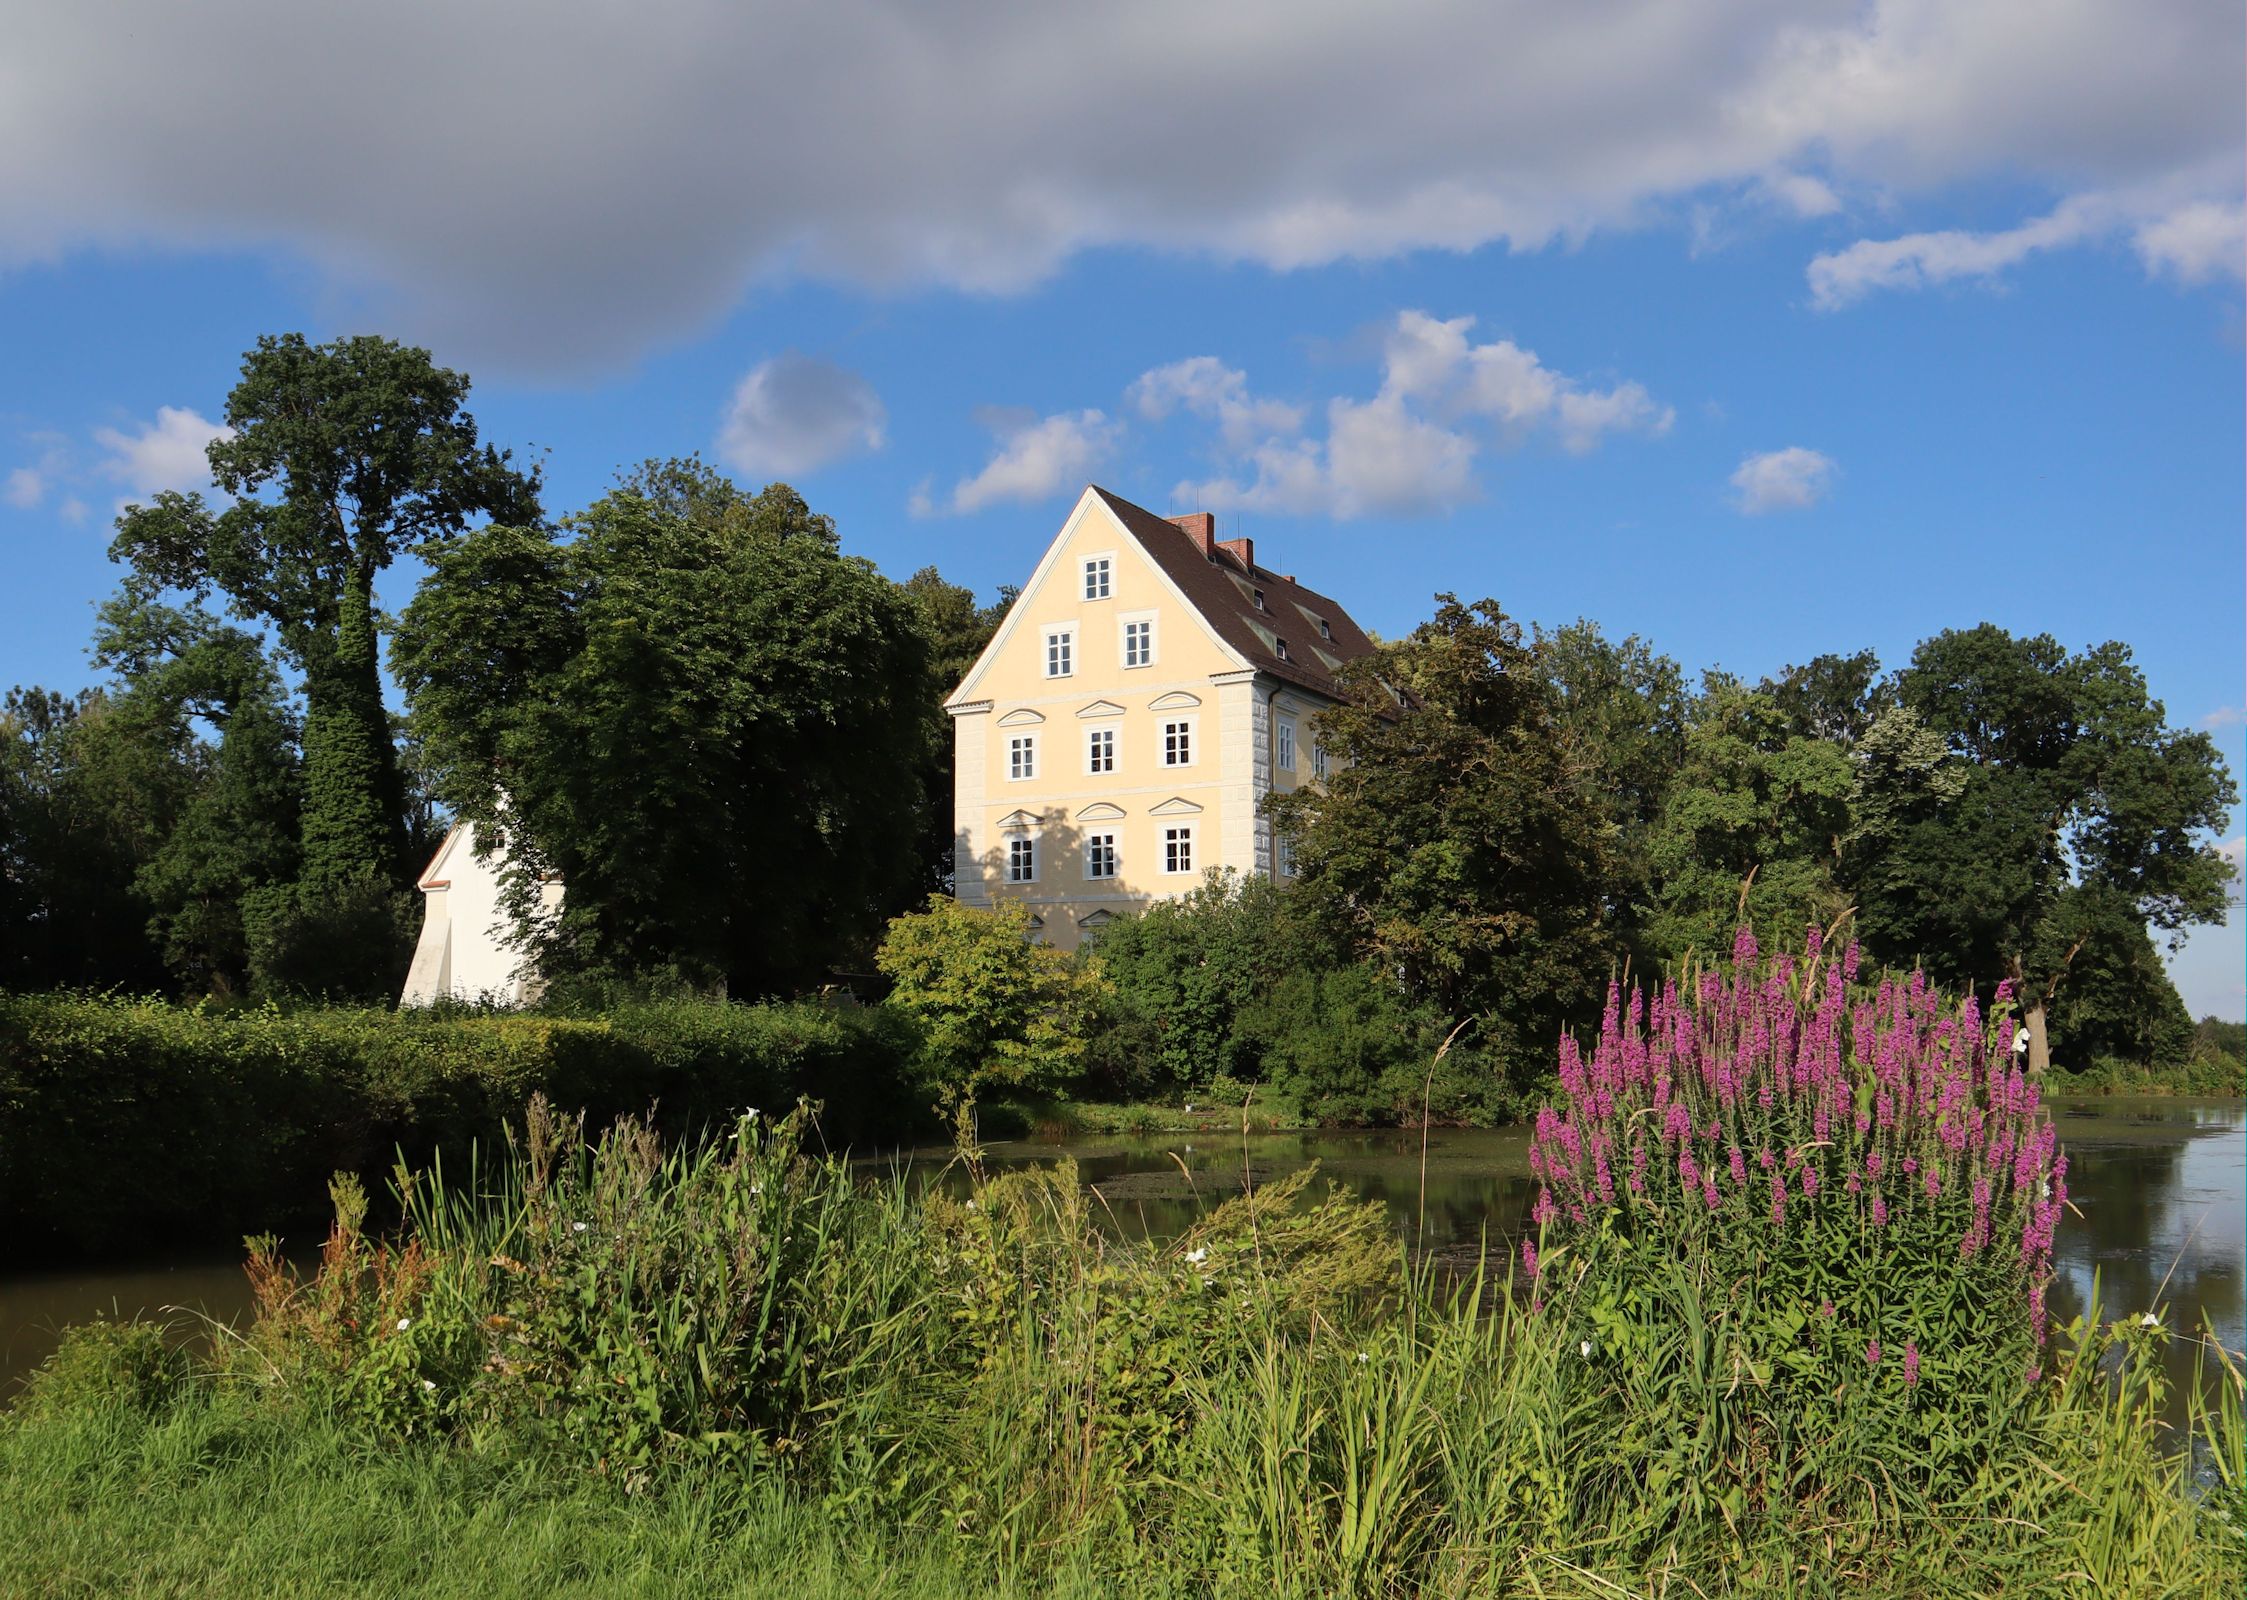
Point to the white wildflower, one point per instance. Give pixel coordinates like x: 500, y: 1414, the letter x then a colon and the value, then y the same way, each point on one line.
x: 1197, y: 1257
x: 579, y: 1227
x: 2150, y: 1320
x: 1585, y: 1349
x: 749, y: 1114
x: 404, y: 1323
x: 428, y: 1387
x: 1363, y: 1358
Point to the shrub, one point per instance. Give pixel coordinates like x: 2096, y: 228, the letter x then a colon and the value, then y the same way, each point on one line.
x: 134, y: 1121
x: 996, y: 1007
x: 1819, y: 1231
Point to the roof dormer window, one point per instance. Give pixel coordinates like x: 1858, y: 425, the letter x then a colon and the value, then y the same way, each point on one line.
x: 1325, y: 632
x: 1281, y: 646
x: 1260, y: 605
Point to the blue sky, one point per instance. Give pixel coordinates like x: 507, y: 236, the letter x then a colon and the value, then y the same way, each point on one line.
x: 1771, y: 331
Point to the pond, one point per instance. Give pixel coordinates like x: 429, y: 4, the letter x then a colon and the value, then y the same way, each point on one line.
x: 2160, y: 1184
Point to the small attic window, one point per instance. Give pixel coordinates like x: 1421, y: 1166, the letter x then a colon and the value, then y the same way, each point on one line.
x: 1260, y: 605
x: 1280, y: 645
x: 1325, y: 632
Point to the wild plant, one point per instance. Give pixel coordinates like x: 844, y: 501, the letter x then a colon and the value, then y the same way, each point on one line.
x: 1799, y: 1233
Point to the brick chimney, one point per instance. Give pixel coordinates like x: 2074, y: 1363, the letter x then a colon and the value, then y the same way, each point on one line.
x: 1201, y: 527
x: 1241, y: 550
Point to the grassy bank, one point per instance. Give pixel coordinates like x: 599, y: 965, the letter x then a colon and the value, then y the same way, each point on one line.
x: 615, y: 1369
x: 2214, y: 1077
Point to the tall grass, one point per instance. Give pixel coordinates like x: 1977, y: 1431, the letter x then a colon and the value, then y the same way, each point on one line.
x: 605, y: 1365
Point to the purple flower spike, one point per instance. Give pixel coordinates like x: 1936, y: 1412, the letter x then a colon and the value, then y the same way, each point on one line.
x: 1911, y: 1364
x: 1872, y: 1354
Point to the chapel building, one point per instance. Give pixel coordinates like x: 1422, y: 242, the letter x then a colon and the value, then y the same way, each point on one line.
x: 1116, y: 738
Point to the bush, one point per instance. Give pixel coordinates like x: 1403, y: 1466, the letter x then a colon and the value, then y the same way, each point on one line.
x: 1817, y: 1230
x: 133, y: 1121
x: 996, y: 1007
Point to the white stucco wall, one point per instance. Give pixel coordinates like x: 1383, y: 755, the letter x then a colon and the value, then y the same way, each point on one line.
x: 463, y: 952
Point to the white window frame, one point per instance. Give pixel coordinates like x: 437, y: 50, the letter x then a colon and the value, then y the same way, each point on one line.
x: 1283, y: 856
x: 1124, y: 625
x: 1283, y: 745
x: 1065, y: 635
x: 1022, y: 758
x: 1178, y: 841
x: 1318, y: 760
x: 1020, y: 852
x: 1094, y: 844
x: 1105, y: 561
x: 1094, y: 740
x: 1192, y: 738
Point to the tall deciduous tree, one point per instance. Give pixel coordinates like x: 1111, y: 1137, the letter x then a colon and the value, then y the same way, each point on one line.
x: 696, y: 710
x: 340, y: 457
x: 1453, y: 842
x: 2073, y: 800
x: 1751, y: 829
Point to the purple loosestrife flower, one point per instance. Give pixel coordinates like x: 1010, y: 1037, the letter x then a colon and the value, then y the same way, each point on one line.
x: 1825, y: 1308
x: 1529, y: 1258
x: 1709, y: 1194
x: 1879, y: 1210
x: 1739, y: 1164
x: 1872, y: 1354
x: 1911, y: 1364
x: 1543, y: 1212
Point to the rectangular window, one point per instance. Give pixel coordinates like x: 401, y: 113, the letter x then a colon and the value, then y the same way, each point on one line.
x: 1060, y: 653
x: 1139, y: 643
x: 1286, y: 753
x: 1100, y: 855
x: 1178, y: 744
x: 1022, y: 861
x: 1096, y: 569
x: 1318, y: 760
x: 1100, y: 750
x: 1022, y: 756
x: 1283, y: 855
x: 1178, y: 849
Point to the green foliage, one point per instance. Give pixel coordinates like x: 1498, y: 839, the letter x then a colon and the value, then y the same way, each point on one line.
x: 1752, y: 827
x: 996, y: 1008
x: 609, y: 1367
x: 340, y: 457
x: 2076, y: 797
x: 100, y: 1364
x: 1455, y: 843
x: 132, y: 1121
x: 957, y: 629
x: 710, y: 722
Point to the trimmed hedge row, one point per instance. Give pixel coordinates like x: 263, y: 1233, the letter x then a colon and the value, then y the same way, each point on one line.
x: 128, y: 1122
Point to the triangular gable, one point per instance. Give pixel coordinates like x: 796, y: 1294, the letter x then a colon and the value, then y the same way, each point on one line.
x: 1098, y: 919
x: 1091, y: 503
x: 1098, y: 708
x: 1176, y: 806
x: 438, y: 874
x: 1017, y: 821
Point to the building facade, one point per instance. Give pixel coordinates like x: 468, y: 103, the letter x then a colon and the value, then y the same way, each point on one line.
x: 467, y: 950
x: 1148, y: 688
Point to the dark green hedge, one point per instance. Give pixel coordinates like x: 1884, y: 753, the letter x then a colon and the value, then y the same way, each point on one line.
x: 129, y: 1122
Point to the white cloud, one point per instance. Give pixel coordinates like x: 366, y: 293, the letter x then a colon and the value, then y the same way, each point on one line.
x: 165, y: 454
x: 1919, y: 259
x: 1207, y: 387
x: 74, y: 511
x: 1410, y: 448
x: 2195, y: 242
x: 2224, y: 717
x: 465, y: 194
x: 1035, y: 460
x: 1793, y: 479
x: 25, y: 488
x: 795, y: 413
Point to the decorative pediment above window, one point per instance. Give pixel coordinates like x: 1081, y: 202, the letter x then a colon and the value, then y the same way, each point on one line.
x: 1287, y: 705
x: 1019, y: 821
x: 1036, y: 921
x: 1179, y: 700
x: 1176, y: 806
x: 1098, y: 919
x: 1102, y: 708
x: 1100, y: 811
x: 1017, y: 719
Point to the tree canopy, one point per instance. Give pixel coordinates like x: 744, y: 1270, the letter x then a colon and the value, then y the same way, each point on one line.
x: 689, y: 704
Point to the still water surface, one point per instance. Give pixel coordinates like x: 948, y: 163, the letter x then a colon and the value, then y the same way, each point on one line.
x: 2161, y: 1185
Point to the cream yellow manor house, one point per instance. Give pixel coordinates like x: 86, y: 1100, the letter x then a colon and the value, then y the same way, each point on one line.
x: 1114, y: 740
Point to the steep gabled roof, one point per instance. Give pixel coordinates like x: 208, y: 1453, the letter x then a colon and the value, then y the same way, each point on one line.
x: 1222, y: 587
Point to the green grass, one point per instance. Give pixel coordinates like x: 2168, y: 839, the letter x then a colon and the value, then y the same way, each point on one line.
x: 612, y: 1369
x: 2212, y: 1076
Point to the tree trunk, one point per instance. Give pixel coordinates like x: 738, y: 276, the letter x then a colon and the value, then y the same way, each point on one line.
x: 2040, y: 1048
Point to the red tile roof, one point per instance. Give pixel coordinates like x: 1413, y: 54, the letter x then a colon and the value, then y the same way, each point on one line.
x: 1223, y: 588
